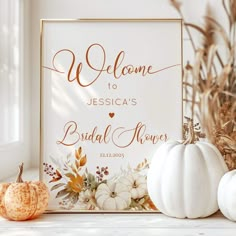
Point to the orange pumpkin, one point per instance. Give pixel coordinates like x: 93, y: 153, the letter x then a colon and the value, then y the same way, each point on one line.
x: 23, y: 200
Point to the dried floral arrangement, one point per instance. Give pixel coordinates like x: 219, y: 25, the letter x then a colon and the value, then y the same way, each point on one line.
x: 210, y: 81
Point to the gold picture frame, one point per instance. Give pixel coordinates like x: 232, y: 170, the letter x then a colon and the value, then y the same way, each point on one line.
x: 124, y: 55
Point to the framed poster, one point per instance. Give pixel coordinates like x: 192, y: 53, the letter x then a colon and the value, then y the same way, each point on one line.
x: 111, y: 93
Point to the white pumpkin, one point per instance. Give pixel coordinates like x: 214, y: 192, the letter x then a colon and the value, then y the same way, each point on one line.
x: 113, y: 196
x: 183, y: 178
x: 136, y: 183
x: 227, y: 195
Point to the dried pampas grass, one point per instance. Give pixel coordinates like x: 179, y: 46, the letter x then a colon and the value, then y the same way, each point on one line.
x: 210, y: 82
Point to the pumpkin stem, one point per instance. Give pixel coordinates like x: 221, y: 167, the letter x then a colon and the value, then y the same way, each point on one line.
x: 19, y: 177
x: 191, y: 134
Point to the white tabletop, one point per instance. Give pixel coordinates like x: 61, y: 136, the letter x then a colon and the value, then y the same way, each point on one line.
x: 116, y: 224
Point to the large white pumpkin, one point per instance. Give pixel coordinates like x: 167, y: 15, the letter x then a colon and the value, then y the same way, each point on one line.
x: 227, y: 195
x: 183, y: 179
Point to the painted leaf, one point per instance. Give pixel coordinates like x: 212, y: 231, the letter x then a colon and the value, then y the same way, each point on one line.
x: 77, y: 164
x: 54, y: 179
x: 58, y: 173
x: 78, y: 153
x: 55, y: 161
x: 83, y: 160
x: 62, y: 193
x: 75, y: 199
x: 74, y: 169
x: 69, y: 175
x: 76, y: 183
x: 57, y: 186
x: 70, y: 195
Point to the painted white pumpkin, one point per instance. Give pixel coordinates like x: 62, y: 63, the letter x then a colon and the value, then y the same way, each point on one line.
x: 227, y: 195
x: 136, y: 183
x: 113, y: 196
x: 183, y: 178
x: 87, y: 200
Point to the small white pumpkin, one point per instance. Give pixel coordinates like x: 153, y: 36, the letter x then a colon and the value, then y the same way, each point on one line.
x: 136, y: 183
x: 113, y: 196
x: 183, y: 178
x: 227, y: 195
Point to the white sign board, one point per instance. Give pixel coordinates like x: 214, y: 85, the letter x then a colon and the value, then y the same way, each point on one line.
x: 111, y: 93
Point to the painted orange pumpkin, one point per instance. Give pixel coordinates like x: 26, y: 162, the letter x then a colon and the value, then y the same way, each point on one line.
x: 23, y: 200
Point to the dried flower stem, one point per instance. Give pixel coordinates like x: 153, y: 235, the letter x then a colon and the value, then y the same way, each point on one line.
x: 191, y: 134
x: 19, y: 177
x: 210, y: 83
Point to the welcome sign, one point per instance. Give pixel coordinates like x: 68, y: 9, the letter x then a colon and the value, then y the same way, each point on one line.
x: 111, y: 93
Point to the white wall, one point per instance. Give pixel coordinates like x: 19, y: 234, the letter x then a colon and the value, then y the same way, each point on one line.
x: 13, y: 153
x: 93, y: 9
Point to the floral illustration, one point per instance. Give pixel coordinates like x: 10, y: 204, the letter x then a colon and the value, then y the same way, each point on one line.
x: 87, y: 200
x: 113, y: 196
x: 78, y: 188
x: 136, y: 183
